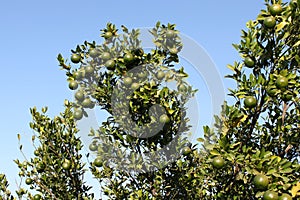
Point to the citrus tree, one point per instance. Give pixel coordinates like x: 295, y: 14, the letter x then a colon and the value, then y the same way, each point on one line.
x: 253, y: 150
x: 142, y: 152
x: 147, y: 124
x: 56, y: 171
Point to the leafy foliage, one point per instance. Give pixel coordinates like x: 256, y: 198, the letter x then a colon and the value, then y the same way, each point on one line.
x: 251, y: 152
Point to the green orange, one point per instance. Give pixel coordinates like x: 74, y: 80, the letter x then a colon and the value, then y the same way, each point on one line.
x: 270, y: 22
x: 75, y: 58
x: 66, y: 165
x: 281, y: 82
x: 218, y: 162
x: 128, y: 57
x: 270, y: 195
x: 250, y: 102
x: 93, y: 52
x: 28, y: 181
x: 285, y: 196
x: 249, y: 62
x: 73, y: 85
x: 261, y: 181
x: 110, y: 64
x: 37, y: 197
x: 78, y: 114
x: 275, y: 9
x: 98, y: 162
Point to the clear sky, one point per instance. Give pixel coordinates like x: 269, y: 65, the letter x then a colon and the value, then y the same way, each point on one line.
x: 34, y: 32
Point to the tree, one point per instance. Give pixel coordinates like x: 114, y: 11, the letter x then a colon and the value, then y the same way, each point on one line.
x: 259, y: 134
x: 56, y: 170
x: 143, y: 134
x: 141, y: 151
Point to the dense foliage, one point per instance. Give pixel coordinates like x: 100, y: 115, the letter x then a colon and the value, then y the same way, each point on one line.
x: 142, y: 152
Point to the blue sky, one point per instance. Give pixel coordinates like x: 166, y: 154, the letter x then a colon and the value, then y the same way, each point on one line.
x: 34, y: 32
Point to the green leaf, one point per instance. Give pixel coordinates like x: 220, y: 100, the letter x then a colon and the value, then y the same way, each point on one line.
x: 296, y: 44
x: 214, y: 152
x: 281, y: 26
x: 296, y: 190
x: 200, y: 140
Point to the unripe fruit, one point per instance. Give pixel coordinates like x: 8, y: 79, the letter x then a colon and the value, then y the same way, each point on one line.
x: 281, y: 82
x: 275, y: 9
x: 75, y: 58
x: 66, y: 165
x: 73, y: 85
x: 250, y: 102
x: 28, y: 181
x: 94, y: 53
x: 270, y: 22
x: 98, y: 162
x: 261, y: 181
x: 285, y: 197
x: 249, y: 62
x: 78, y: 114
x: 218, y: 162
x: 270, y: 195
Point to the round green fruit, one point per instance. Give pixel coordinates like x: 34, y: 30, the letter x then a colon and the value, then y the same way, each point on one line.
x: 270, y: 22
x: 127, y: 81
x: 89, y: 70
x: 160, y: 75
x: 108, y: 35
x: 66, y: 165
x: 281, y: 82
x: 93, y: 147
x: 270, y: 195
x: 28, y: 181
x: 110, y: 64
x: 261, y: 181
x: 78, y: 114
x: 218, y: 162
x: 164, y: 119
x: 36, y: 152
x: 93, y: 53
x: 128, y: 57
x: 250, y: 102
x: 79, y: 96
x: 37, y: 197
x: 77, y: 75
x: 135, y: 86
x: 98, y: 162
x: 285, y: 196
x: 105, y: 56
x: 249, y: 62
x: 75, y: 58
x: 73, y: 85
x: 275, y: 9
x: 186, y: 151
x: 87, y: 103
